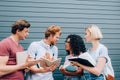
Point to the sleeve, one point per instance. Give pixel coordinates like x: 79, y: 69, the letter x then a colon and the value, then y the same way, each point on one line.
x: 66, y: 63
x: 32, y: 50
x: 104, y: 52
x: 4, y: 49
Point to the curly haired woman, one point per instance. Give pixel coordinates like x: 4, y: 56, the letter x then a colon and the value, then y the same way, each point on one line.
x: 74, y: 46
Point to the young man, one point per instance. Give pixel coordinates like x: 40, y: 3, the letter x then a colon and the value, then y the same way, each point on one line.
x: 9, y: 70
x: 44, y: 49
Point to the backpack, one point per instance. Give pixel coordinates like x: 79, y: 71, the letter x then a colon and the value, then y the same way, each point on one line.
x: 109, y: 72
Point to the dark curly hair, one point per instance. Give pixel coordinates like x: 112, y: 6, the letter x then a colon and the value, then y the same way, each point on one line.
x: 77, y: 44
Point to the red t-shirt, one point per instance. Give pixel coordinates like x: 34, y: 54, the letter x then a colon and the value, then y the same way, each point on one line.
x: 9, y: 48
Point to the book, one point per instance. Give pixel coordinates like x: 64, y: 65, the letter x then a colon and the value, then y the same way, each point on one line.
x: 21, y: 57
x: 49, y: 63
x: 84, y: 59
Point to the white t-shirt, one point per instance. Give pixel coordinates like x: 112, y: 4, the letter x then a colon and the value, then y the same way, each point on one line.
x: 37, y: 50
x: 101, y: 51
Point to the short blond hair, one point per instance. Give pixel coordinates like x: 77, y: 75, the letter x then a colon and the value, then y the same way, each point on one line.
x: 95, y: 31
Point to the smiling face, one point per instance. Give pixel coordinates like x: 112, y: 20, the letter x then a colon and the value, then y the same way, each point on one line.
x: 52, y: 34
x: 54, y: 38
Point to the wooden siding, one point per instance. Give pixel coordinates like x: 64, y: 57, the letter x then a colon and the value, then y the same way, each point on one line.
x: 72, y: 15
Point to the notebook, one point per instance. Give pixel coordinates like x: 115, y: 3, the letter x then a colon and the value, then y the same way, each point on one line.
x: 21, y: 57
x: 84, y: 59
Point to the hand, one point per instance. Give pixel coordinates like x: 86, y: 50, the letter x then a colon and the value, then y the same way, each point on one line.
x: 47, y: 56
x: 29, y: 63
x: 27, y: 69
x: 75, y: 63
x: 62, y: 69
x: 42, y: 63
x: 52, y: 67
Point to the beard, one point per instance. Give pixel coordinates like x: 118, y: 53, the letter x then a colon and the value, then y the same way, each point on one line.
x: 52, y: 43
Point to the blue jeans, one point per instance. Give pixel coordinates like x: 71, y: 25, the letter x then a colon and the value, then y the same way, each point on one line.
x: 74, y: 78
x: 89, y: 76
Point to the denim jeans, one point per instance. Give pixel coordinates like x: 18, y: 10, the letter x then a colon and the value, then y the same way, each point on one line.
x: 89, y: 76
x: 74, y: 78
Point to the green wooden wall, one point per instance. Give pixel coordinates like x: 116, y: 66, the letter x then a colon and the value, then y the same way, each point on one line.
x: 72, y: 15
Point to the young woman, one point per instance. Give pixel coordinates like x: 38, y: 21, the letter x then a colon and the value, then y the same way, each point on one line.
x: 74, y: 46
x: 98, y: 52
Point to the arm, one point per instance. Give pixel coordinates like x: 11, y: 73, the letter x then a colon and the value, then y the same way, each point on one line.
x: 38, y: 70
x: 97, y: 70
x: 6, y: 69
x: 44, y: 69
x: 78, y: 72
x: 65, y: 72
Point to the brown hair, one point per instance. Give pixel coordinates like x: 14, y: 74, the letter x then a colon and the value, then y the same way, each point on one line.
x: 19, y: 25
x: 52, y: 30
